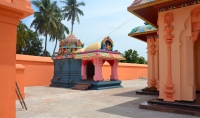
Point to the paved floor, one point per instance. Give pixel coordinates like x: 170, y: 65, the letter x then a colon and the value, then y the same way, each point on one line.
x: 49, y: 102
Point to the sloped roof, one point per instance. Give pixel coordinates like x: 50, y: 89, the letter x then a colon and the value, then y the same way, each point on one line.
x: 142, y: 31
x: 145, y: 10
x: 139, y: 2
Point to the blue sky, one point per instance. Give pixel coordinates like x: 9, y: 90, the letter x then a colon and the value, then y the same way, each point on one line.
x: 102, y: 17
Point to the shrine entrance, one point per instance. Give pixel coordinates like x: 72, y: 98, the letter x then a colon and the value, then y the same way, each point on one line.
x: 90, y: 70
x: 197, y: 62
x: 197, y: 68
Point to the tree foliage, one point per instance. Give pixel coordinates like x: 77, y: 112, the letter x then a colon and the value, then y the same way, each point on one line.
x: 71, y: 11
x: 22, y: 34
x: 45, y: 18
x: 132, y: 56
x: 33, y: 45
x: 59, y: 33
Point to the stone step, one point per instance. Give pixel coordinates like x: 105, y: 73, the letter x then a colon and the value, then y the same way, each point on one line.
x: 78, y: 88
x: 82, y: 83
x: 84, y: 87
x: 81, y: 86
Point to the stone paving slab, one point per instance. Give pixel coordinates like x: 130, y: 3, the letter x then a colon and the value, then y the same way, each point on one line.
x: 50, y: 102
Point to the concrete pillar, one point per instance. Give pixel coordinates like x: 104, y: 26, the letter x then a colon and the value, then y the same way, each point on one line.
x: 114, y: 75
x: 83, y: 70
x: 11, y: 12
x: 98, y: 69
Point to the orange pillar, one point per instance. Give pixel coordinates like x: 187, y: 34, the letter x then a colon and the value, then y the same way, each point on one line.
x: 152, y: 52
x: 11, y: 11
x: 169, y: 38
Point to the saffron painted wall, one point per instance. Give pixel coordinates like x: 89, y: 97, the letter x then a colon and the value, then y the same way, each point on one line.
x: 39, y: 70
x: 20, y: 78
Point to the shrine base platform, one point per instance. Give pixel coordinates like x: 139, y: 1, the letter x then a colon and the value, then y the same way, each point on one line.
x: 103, y: 84
x: 179, y: 107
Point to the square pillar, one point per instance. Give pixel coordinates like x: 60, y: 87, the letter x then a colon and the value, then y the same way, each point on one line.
x: 83, y: 70
x: 10, y: 14
x: 98, y: 69
x: 114, y: 75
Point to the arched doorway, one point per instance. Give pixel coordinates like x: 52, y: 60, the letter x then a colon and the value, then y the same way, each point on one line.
x: 197, y: 63
x: 90, y: 70
x: 195, y: 23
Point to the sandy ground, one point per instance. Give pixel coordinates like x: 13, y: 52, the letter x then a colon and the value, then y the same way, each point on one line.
x: 50, y: 102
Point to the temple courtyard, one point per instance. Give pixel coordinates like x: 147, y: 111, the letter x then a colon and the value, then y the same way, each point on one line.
x: 50, y: 102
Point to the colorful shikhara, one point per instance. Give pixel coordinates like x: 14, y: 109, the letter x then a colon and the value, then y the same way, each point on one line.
x: 96, y: 50
x: 69, y: 45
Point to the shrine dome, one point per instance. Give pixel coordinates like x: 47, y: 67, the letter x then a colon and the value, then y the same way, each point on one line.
x: 71, y: 39
x: 71, y: 42
x: 94, y: 46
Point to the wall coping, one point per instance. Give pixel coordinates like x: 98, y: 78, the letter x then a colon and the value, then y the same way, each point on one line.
x: 128, y: 64
x: 30, y: 58
x: 19, y: 67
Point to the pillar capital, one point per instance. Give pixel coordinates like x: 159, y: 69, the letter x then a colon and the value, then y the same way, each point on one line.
x: 17, y: 8
x: 98, y: 61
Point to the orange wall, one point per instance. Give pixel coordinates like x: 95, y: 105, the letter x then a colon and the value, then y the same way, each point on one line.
x: 39, y: 70
x: 20, y: 78
x: 126, y: 71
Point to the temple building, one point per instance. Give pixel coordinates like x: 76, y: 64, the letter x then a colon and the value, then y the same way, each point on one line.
x: 173, y: 47
x: 81, y: 68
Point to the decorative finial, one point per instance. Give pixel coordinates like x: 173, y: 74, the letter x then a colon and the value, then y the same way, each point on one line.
x: 71, y: 33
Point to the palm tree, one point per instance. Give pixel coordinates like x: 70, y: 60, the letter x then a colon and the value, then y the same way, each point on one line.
x: 58, y: 33
x: 45, y: 18
x: 72, y: 12
x: 22, y: 34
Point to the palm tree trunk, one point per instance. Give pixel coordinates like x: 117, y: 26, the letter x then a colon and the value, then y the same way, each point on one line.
x: 54, y: 49
x: 72, y: 26
x: 45, y: 47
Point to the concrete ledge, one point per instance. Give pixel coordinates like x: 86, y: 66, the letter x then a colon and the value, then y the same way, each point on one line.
x: 140, y: 92
x: 179, y: 108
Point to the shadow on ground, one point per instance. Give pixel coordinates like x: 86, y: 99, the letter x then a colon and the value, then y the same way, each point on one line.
x: 128, y: 94
x: 130, y: 108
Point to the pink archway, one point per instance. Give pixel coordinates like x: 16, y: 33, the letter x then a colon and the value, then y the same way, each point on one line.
x: 98, y: 63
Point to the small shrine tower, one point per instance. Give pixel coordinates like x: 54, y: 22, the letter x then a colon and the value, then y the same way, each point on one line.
x: 75, y: 66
